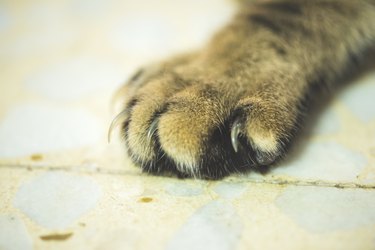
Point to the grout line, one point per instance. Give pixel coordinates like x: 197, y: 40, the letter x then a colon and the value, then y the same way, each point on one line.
x: 87, y: 169
x: 316, y: 183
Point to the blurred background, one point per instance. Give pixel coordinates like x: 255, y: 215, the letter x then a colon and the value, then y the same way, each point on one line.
x: 61, y: 61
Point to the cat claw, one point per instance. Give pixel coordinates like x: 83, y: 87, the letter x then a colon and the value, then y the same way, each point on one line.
x: 152, y: 129
x: 120, y: 118
x: 234, y: 133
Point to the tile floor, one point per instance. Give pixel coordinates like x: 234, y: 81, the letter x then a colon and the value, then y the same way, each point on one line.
x: 63, y: 187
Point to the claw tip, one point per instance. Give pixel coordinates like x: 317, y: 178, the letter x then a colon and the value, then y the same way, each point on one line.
x: 121, y: 117
x: 235, y: 131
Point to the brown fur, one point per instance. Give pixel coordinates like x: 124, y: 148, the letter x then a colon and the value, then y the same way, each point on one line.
x: 258, y: 71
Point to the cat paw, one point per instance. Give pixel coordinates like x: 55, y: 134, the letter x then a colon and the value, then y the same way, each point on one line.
x: 177, y: 126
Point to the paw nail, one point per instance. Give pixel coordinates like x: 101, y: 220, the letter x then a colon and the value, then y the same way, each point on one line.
x: 120, y: 118
x: 152, y: 129
x: 234, y: 133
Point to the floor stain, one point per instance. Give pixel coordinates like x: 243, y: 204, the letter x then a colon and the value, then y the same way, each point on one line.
x: 56, y: 237
x: 36, y: 157
x: 145, y: 199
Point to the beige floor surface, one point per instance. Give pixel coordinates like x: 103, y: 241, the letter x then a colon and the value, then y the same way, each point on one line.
x: 63, y: 187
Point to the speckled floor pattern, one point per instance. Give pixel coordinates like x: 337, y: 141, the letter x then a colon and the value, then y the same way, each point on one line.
x: 62, y: 186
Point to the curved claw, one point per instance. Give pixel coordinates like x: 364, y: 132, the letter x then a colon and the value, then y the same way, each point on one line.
x: 234, y: 133
x: 120, y: 118
x: 152, y: 129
